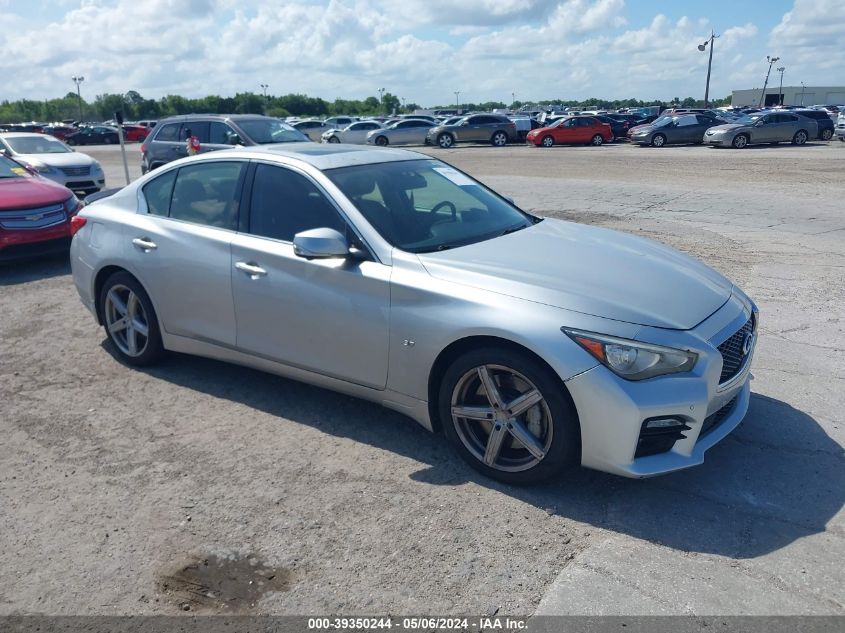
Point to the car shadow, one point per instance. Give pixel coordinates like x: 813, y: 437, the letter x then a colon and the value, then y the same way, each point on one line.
x: 776, y: 479
x: 26, y: 270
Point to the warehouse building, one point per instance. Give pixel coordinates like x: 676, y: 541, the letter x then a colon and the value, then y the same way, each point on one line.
x: 790, y: 95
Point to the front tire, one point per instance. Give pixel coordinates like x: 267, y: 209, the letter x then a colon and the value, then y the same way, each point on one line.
x: 658, y: 140
x: 130, y: 321
x: 509, y: 416
x: 499, y: 139
x: 800, y: 138
x: 334, y: 139
x: 381, y: 141
x: 548, y: 141
x: 740, y: 141
x: 445, y: 141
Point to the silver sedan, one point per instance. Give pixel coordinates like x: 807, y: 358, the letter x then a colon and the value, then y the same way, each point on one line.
x: 763, y: 127
x: 404, y: 132
x: 533, y: 344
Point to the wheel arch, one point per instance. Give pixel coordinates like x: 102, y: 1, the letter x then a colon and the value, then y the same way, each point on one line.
x: 100, y: 279
x: 468, y: 343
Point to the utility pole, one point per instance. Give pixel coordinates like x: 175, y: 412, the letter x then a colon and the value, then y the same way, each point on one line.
x: 457, y: 102
x: 771, y: 61
x: 381, y: 98
x: 701, y: 47
x: 802, y: 93
x: 780, y: 90
x: 77, y: 81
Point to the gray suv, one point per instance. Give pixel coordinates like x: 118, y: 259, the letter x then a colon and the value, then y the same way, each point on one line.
x: 167, y: 141
x: 495, y: 129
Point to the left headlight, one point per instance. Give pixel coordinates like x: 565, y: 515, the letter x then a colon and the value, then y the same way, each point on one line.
x: 41, y: 168
x: 96, y: 167
x: 633, y: 360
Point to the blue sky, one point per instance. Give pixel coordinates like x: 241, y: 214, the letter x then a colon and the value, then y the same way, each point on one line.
x: 421, y: 50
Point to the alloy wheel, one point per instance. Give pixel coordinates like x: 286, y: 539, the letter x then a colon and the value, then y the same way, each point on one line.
x: 126, y: 320
x: 659, y: 140
x: 445, y: 141
x: 501, y: 418
x: 800, y: 137
x: 597, y: 140
x: 740, y: 141
x: 500, y: 139
x: 827, y: 135
x: 548, y: 141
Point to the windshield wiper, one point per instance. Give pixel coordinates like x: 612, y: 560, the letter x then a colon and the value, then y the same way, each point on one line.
x: 513, y: 229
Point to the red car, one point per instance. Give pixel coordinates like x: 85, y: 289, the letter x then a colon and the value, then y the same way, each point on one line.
x: 59, y: 131
x: 573, y: 129
x: 36, y: 214
x: 135, y: 132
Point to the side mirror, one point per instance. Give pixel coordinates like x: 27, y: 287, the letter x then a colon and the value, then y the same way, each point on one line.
x: 235, y: 139
x: 320, y: 244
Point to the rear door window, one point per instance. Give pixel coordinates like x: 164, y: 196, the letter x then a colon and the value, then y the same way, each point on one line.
x: 169, y: 132
x: 207, y: 193
x: 157, y: 193
x: 219, y: 133
x: 196, y: 128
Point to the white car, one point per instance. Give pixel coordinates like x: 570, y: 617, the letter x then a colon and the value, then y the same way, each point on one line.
x: 312, y: 128
x: 840, y: 126
x: 54, y: 160
x: 354, y: 133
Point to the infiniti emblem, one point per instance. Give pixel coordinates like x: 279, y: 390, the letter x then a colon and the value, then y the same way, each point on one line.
x: 747, y: 342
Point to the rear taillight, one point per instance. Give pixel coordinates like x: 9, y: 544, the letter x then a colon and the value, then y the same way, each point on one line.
x: 143, y: 149
x: 76, y: 223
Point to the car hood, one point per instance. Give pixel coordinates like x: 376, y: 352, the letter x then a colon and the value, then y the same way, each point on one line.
x: 30, y: 192
x: 589, y: 270
x: 65, y: 159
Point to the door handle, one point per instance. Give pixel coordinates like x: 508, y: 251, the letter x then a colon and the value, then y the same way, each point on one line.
x: 144, y: 243
x: 252, y: 269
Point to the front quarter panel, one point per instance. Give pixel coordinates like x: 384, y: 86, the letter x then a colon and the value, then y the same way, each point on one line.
x: 428, y: 314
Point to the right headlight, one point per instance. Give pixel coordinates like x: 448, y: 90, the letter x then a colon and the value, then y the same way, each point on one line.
x: 633, y: 360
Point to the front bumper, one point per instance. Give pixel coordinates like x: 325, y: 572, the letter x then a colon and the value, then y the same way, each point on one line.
x: 612, y: 410
x: 717, y: 139
x: 80, y: 184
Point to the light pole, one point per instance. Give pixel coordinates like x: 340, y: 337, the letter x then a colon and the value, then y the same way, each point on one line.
x: 264, y: 88
x: 77, y: 81
x: 403, y: 104
x: 381, y: 97
x: 513, y: 100
x: 802, y: 93
x: 780, y: 90
x: 771, y: 61
x: 702, y: 47
x: 457, y: 102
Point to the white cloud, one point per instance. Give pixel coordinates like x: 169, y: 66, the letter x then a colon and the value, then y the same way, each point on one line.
x: 423, y: 50
x: 813, y: 32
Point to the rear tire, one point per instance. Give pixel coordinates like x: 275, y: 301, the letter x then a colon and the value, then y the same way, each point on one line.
x: 800, y: 138
x: 597, y: 140
x: 130, y: 321
x: 550, y: 424
x: 499, y: 139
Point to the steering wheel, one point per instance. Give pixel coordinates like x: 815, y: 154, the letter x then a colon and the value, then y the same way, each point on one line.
x: 445, y: 203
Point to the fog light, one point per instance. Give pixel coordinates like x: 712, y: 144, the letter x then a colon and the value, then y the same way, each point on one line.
x: 664, y: 423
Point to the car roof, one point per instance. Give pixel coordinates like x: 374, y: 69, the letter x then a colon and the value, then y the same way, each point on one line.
x: 323, y: 156
x: 24, y: 134
x: 212, y: 115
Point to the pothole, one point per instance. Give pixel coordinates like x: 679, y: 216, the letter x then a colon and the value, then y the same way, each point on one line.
x: 223, y: 584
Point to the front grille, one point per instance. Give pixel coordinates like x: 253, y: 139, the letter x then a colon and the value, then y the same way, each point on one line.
x: 731, y: 350
x: 37, y: 218
x: 715, y: 419
x: 76, y: 171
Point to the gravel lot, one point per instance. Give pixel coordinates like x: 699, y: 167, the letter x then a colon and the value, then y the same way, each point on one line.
x: 124, y: 491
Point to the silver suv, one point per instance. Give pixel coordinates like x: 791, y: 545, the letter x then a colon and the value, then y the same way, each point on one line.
x: 167, y: 141
x: 496, y: 129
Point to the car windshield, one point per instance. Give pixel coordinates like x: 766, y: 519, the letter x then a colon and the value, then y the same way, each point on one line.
x: 37, y: 145
x: 423, y: 206
x: 11, y: 169
x: 264, y: 132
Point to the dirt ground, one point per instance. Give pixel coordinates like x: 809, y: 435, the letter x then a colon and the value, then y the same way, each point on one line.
x: 170, y: 489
